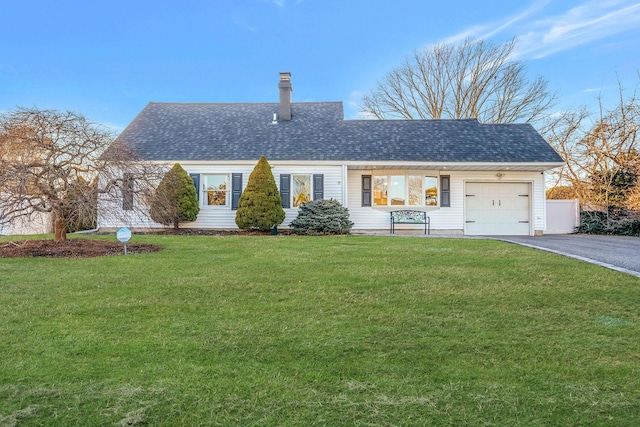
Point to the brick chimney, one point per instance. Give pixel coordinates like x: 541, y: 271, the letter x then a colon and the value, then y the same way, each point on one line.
x: 285, y: 95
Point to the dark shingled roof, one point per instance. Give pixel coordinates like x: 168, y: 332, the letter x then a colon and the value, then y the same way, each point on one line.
x: 318, y: 131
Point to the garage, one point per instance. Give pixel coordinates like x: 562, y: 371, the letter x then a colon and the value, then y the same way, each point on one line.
x: 497, y: 208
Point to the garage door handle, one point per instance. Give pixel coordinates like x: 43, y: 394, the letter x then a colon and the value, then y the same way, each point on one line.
x: 468, y: 222
x: 523, y: 222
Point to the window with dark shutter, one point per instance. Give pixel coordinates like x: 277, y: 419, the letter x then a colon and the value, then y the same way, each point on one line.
x: 366, y: 190
x: 285, y: 190
x: 196, y: 182
x: 318, y: 186
x: 236, y: 189
x: 445, y: 191
x: 127, y: 192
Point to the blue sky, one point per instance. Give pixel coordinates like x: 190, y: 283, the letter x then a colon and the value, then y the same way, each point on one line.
x: 108, y: 59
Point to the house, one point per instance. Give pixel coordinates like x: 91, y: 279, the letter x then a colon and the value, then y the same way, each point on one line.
x: 37, y: 223
x: 469, y: 177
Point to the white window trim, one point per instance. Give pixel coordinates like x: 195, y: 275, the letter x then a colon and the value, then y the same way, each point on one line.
x: 406, y: 191
x: 205, y: 196
x: 292, y: 195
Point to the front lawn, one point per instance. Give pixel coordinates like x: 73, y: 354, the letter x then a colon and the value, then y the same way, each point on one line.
x: 302, y: 331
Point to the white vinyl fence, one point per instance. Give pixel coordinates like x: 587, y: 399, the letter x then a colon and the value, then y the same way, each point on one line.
x: 563, y: 216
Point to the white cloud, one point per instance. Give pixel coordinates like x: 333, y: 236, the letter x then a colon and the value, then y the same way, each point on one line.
x: 490, y: 29
x: 243, y: 23
x: 589, y: 22
x: 281, y: 3
x: 540, y: 36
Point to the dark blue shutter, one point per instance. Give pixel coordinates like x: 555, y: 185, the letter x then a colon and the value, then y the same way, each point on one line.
x: 236, y: 189
x: 285, y: 190
x: 196, y: 182
x: 127, y: 192
x: 366, y: 190
x: 318, y: 186
x: 445, y: 191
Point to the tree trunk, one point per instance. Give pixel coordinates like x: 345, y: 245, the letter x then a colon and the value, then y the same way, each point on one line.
x: 176, y: 223
x: 59, y: 230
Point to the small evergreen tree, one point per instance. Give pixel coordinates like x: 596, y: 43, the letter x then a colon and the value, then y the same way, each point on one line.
x: 322, y: 217
x: 175, y: 199
x: 260, y: 206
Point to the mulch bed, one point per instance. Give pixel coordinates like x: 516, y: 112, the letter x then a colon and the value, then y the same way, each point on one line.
x: 71, y: 248
x: 86, y: 248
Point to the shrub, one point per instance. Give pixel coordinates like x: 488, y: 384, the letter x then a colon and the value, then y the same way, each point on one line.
x: 175, y: 199
x: 322, y: 217
x: 597, y: 223
x: 592, y: 222
x: 260, y: 205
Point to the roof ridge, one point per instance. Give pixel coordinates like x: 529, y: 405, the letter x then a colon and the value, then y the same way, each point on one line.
x: 237, y: 103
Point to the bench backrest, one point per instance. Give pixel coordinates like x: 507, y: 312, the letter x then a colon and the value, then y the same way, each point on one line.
x: 418, y: 217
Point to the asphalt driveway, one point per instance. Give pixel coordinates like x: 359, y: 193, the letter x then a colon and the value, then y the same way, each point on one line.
x: 620, y: 253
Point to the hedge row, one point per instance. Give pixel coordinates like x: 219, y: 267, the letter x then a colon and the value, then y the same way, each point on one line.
x: 593, y: 222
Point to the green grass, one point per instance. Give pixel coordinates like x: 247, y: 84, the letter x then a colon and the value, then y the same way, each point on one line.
x: 303, y: 331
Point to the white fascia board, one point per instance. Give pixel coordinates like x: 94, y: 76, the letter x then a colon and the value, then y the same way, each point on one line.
x: 387, y: 164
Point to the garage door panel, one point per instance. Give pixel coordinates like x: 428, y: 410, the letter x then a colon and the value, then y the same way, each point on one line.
x: 497, y: 208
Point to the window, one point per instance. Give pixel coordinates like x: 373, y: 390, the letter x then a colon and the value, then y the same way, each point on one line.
x: 380, y: 191
x: 301, y: 191
x: 127, y: 192
x: 430, y: 191
x: 298, y: 189
x: 415, y: 190
x: 216, y: 188
x: 404, y: 190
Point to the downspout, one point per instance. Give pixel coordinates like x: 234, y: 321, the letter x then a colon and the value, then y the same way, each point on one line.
x: 345, y: 193
x: 544, y: 204
x: 95, y: 230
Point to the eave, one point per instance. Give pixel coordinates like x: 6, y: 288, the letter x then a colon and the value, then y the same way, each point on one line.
x: 372, y: 165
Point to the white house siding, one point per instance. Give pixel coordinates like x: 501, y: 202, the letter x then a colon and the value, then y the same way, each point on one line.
x: 442, y: 218
x: 333, y: 182
x: 222, y: 217
x: 37, y: 223
x: 377, y: 218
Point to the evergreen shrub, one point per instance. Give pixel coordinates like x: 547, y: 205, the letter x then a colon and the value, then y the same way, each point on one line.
x: 260, y: 205
x: 322, y: 217
x: 175, y: 199
x: 595, y: 222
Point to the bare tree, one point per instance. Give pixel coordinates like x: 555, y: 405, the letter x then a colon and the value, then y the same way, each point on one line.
x: 475, y: 79
x: 601, y: 153
x: 46, y: 156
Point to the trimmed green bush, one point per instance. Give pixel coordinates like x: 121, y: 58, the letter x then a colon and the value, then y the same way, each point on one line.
x: 322, y: 217
x: 260, y: 205
x: 175, y: 199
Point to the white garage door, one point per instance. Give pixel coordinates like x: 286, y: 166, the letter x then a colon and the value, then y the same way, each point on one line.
x: 497, y: 208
